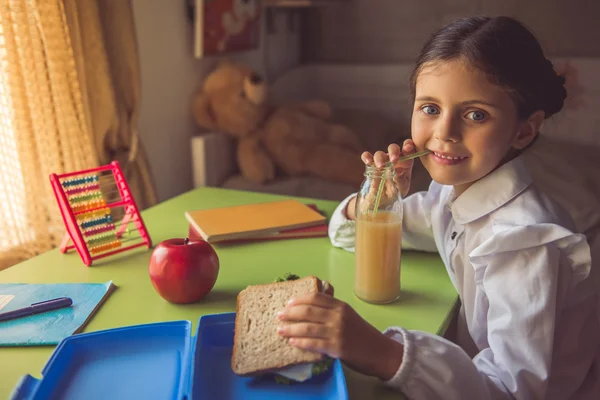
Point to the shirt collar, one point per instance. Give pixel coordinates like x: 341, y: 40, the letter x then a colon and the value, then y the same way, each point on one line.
x: 491, y: 192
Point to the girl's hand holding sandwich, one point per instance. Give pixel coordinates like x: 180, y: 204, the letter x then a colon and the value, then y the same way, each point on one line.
x: 321, y: 323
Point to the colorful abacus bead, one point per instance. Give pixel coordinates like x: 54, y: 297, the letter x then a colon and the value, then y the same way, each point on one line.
x: 80, y: 198
x: 90, y: 205
x: 96, y: 231
x: 105, y: 247
x: 101, y: 238
x: 93, y: 215
x: 81, y: 189
x: 80, y: 181
x: 96, y: 221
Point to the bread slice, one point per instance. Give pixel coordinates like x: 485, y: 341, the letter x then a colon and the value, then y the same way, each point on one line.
x: 258, y: 348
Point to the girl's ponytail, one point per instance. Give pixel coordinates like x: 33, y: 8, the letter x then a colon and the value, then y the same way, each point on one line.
x: 554, y: 90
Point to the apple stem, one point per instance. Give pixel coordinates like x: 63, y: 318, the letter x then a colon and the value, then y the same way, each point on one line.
x: 186, y: 240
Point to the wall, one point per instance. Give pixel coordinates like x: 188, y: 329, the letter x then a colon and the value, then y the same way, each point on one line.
x: 169, y: 77
x: 379, y: 31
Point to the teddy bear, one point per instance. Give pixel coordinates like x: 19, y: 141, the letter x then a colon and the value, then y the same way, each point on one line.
x: 288, y: 139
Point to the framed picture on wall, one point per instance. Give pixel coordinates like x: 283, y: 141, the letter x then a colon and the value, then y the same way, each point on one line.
x: 226, y: 26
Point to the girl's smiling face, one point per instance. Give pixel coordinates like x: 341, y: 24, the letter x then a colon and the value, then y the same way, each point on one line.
x: 469, y: 124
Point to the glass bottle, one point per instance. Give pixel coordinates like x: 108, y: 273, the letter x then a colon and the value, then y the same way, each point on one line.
x: 378, y: 237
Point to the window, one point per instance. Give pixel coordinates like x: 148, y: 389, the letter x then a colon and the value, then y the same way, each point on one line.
x: 12, y: 212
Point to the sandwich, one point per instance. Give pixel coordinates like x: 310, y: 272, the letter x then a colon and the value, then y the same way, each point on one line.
x: 257, y: 347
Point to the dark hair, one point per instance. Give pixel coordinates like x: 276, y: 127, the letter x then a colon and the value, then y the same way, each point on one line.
x: 507, y: 53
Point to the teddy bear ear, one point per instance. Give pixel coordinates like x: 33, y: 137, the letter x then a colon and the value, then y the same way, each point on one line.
x: 203, y: 112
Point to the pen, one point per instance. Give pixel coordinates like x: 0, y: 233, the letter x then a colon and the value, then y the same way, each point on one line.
x: 37, y: 308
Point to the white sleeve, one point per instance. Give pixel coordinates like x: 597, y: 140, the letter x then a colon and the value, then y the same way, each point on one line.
x: 417, y: 233
x: 341, y: 229
x: 521, y: 289
x: 435, y: 368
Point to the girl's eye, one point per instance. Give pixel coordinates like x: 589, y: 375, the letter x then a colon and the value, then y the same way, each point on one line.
x: 430, y: 110
x: 476, y: 116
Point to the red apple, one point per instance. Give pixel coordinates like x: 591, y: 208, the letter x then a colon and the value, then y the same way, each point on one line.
x: 183, y: 270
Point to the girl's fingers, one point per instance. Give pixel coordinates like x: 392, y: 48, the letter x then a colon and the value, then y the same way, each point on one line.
x: 314, y: 299
x: 380, y: 159
x: 408, y: 146
x: 315, y: 344
x: 303, y: 330
x: 403, y: 184
x: 304, y: 312
x: 404, y: 167
x: 366, y: 157
x: 394, y: 152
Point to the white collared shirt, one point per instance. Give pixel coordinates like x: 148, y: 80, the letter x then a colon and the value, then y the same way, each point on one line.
x: 529, y: 324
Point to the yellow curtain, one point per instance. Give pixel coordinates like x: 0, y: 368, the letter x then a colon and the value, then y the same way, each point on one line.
x: 106, y: 55
x: 69, y: 94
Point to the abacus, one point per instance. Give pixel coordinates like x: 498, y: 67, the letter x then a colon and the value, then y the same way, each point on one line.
x: 99, y: 212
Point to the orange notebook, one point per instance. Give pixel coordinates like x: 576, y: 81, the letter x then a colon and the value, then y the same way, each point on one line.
x: 298, y: 233
x: 241, y: 222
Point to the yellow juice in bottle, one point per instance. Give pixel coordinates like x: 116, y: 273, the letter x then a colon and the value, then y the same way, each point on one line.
x: 378, y: 251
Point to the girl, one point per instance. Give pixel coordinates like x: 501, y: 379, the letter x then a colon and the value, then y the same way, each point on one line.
x: 529, y: 323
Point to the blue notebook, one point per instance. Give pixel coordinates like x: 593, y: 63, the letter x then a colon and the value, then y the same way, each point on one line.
x: 49, y: 328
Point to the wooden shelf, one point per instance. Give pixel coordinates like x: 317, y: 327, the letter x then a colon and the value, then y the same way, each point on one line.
x: 292, y: 7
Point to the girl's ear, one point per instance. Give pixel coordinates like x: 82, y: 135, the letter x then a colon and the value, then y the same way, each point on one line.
x: 529, y: 130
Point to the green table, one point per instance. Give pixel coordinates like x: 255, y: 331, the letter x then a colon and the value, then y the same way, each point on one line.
x: 427, y: 300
